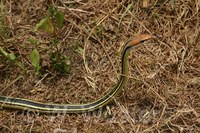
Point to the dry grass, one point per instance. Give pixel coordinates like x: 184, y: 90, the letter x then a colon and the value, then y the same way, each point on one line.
x: 162, y: 94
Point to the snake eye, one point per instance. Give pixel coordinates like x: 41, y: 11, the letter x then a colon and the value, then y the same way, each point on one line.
x: 142, y: 41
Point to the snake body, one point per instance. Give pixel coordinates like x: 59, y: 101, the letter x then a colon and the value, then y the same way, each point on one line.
x: 29, y: 105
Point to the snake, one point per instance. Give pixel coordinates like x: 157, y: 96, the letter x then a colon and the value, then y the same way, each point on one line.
x: 30, y: 105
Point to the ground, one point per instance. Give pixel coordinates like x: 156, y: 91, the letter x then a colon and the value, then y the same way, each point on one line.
x: 162, y: 94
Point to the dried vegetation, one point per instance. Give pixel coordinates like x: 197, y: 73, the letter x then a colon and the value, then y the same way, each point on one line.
x: 162, y: 94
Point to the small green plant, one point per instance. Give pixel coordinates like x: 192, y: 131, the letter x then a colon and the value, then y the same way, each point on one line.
x: 9, y: 56
x: 53, y: 20
x: 50, y: 24
x: 60, y: 62
x: 35, y: 59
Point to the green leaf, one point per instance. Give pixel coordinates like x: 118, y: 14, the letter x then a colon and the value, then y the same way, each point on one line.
x: 54, y: 41
x: 66, y: 68
x: 80, y: 50
x: 35, y: 59
x: 41, y: 24
x: 33, y: 41
x: 46, y: 25
x: 60, y: 62
x: 12, y: 56
x: 3, y: 52
x: 62, y: 67
x: 52, y: 9
x: 59, y: 17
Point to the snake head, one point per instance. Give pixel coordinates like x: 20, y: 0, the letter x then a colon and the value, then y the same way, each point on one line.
x: 140, y: 39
